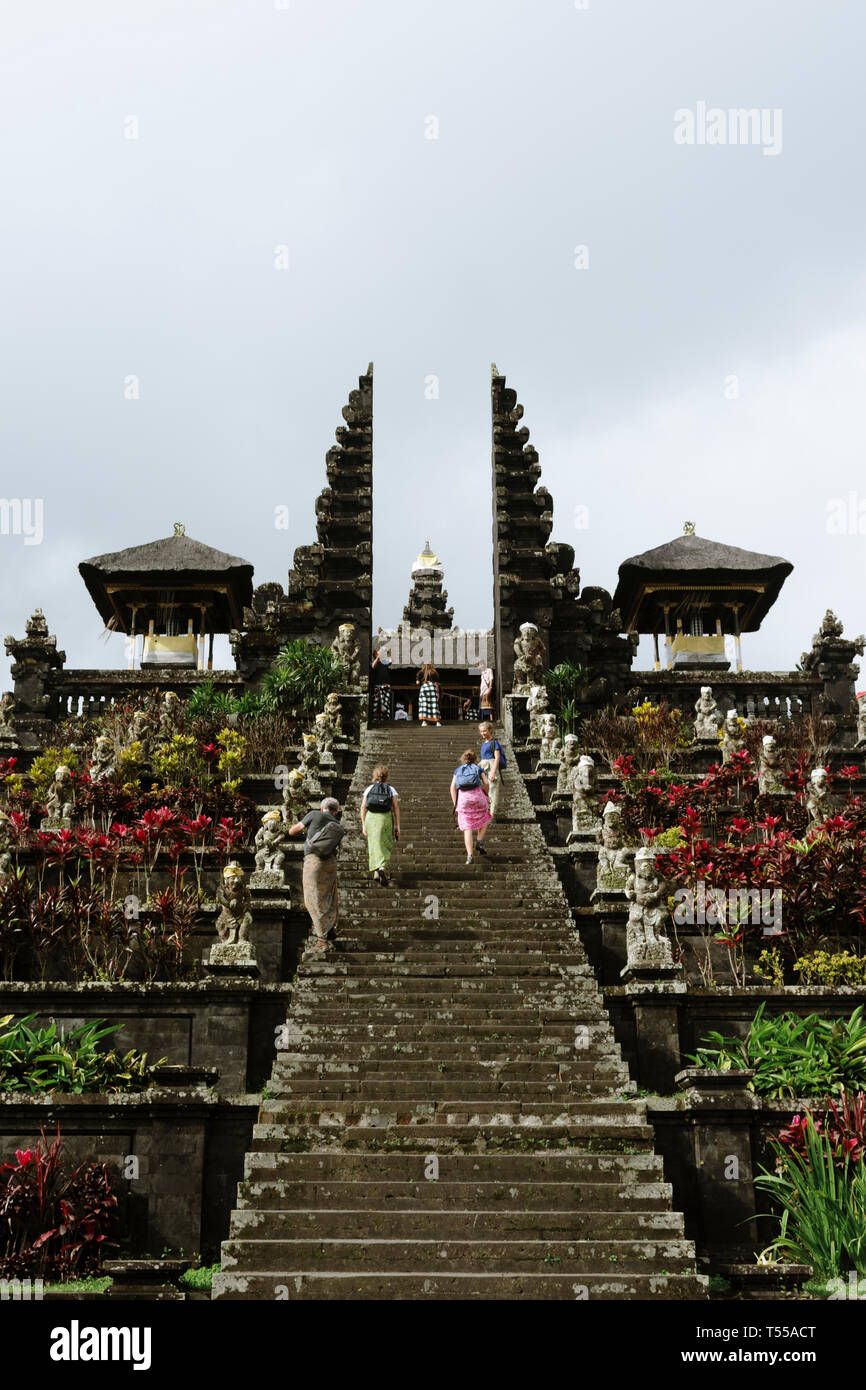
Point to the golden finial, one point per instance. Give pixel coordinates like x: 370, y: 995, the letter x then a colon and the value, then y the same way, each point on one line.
x: 179, y: 528
x: 688, y: 528
x: 426, y: 558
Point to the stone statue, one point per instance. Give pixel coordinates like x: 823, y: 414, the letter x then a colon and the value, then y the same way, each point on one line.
x: 529, y: 660
x: 270, y: 848
x: 769, y: 768
x: 233, y: 897
x: 551, y: 743
x: 140, y: 733
x: 647, y: 941
x: 167, y: 714
x: 568, y: 757
x: 613, y: 857
x: 5, y: 855
x: 324, y: 735
x: 36, y: 626
x: 296, y: 797
x: 536, y: 708
x: 102, y: 765
x: 861, y: 718
x: 818, y: 801
x: 334, y: 711
x: 345, y: 647
x: 732, y: 737
x: 708, y: 716
x: 584, y: 800
x: 60, y: 800
x: 309, y: 764
x: 7, y: 723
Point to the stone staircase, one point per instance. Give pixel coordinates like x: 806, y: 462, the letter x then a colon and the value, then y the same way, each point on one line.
x: 451, y: 1117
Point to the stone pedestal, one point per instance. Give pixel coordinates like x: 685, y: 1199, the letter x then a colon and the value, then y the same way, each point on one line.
x: 49, y: 823
x: 232, y: 958
x: 611, y: 910
x: 722, y: 1112
x: 656, y: 995
x: 146, y: 1279
x: 267, y: 879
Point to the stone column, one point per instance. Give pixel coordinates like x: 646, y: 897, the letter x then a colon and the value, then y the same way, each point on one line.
x: 657, y: 995
x: 721, y: 1113
x: 33, y: 658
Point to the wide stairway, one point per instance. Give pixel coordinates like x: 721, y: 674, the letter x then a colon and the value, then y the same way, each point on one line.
x: 451, y: 1117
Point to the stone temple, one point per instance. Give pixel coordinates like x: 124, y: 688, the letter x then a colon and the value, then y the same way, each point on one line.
x: 497, y: 1081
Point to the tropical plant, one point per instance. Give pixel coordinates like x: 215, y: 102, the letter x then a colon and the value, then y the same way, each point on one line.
x: 831, y: 968
x: 56, y: 1220
x: 43, y: 768
x: 302, y: 678
x: 793, y: 1056
x: 565, y: 684
x: 51, y: 1059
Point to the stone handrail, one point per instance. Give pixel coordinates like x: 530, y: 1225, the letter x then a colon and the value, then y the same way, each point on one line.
x: 754, y: 694
x: 89, y: 693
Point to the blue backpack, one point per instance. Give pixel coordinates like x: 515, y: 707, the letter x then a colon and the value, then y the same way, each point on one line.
x: 467, y: 776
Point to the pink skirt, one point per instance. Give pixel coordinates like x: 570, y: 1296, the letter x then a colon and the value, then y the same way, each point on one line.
x: 473, y: 811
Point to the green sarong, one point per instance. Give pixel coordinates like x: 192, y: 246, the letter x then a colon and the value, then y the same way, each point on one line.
x: 380, y: 838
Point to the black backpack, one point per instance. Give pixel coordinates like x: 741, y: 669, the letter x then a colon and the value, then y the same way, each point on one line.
x: 379, y: 797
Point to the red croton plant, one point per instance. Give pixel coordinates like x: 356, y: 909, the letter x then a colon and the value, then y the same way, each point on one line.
x: 56, y: 1218
x: 844, y: 1123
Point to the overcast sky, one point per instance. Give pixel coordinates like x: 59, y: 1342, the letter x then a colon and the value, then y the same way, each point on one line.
x: 708, y: 363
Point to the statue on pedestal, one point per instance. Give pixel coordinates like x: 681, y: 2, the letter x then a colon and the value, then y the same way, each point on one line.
x: 167, y: 715
x: 551, y: 743
x: 770, y: 769
x: 732, y: 737
x: 334, y: 711
x: 296, y: 797
x: 818, y: 800
x: 584, y: 800
x: 536, y: 708
x: 235, y: 919
x: 324, y: 735
x: 309, y: 764
x: 647, y: 940
x: 345, y: 647
x: 270, y: 848
x: 60, y: 801
x: 529, y: 660
x: 140, y: 733
x: 613, y: 857
x: 708, y: 716
x: 568, y: 758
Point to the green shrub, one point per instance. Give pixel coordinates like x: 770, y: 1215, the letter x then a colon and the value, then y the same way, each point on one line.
x: 793, y: 1056
x: 826, y: 968
x: 201, y: 1277
x: 302, y: 678
x: 823, y: 1207
x: 43, y: 1059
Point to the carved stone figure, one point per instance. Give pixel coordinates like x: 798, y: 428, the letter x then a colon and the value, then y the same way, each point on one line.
x: 5, y: 855
x: 140, y: 733
x: 334, y: 711
x: 270, y: 846
x: 102, y: 765
x: 345, y: 646
x: 536, y: 708
x: 613, y: 856
x: 568, y: 758
x: 7, y: 723
x: 167, y: 714
x: 584, y: 799
x: 861, y: 719
x: 732, y: 737
x: 818, y: 800
x: 529, y: 660
x: 708, y: 716
x: 770, y: 769
x: 324, y: 735
x: 551, y: 743
x: 296, y: 797
x: 60, y: 800
x: 647, y: 941
x: 233, y: 898
x: 309, y: 765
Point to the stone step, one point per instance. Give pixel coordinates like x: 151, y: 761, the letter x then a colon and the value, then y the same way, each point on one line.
x: 441, y: 1285
x: 632, y: 1160
x: 597, y: 1192
x: 454, y: 1224
x: 458, y: 1256
x: 420, y: 1069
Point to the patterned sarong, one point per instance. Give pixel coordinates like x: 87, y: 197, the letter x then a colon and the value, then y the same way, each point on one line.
x: 320, y: 892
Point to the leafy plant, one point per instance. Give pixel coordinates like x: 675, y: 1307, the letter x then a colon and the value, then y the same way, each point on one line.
x: 831, y: 968
x: 793, y: 1056
x: 302, y: 678
x: 201, y: 1277
x: 48, y: 1059
x: 565, y: 684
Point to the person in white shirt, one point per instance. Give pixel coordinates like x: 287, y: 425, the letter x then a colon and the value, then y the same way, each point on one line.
x: 380, y: 823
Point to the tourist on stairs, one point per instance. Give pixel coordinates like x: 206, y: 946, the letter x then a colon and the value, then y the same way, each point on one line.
x: 324, y: 833
x: 493, y: 761
x: 428, y: 695
x: 380, y: 822
x: 469, y: 789
x: 380, y: 682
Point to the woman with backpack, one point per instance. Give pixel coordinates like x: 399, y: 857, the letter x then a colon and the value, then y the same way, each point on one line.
x: 494, y: 763
x: 380, y: 822
x: 428, y: 695
x: 469, y: 789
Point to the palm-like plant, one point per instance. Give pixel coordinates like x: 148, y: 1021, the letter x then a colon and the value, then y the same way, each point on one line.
x: 302, y: 678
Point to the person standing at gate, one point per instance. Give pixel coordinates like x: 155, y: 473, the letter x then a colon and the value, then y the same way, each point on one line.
x: 380, y: 822
x: 469, y: 789
x: 428, y: 695
x: 380, y: 683
x: 485, y: 694
x: 493, y: 761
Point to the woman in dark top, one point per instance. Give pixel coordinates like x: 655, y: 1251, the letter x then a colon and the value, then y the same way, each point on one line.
x: 380, y: 683
x: 428, y: 695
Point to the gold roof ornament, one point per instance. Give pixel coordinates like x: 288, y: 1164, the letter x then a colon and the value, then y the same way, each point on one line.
x: 180, y: 528
x: 688, y: 528
x: 426, y: 559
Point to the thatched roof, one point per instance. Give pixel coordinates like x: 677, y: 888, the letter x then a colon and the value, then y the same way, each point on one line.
x: 177, y: 565
x: 691, y: 568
